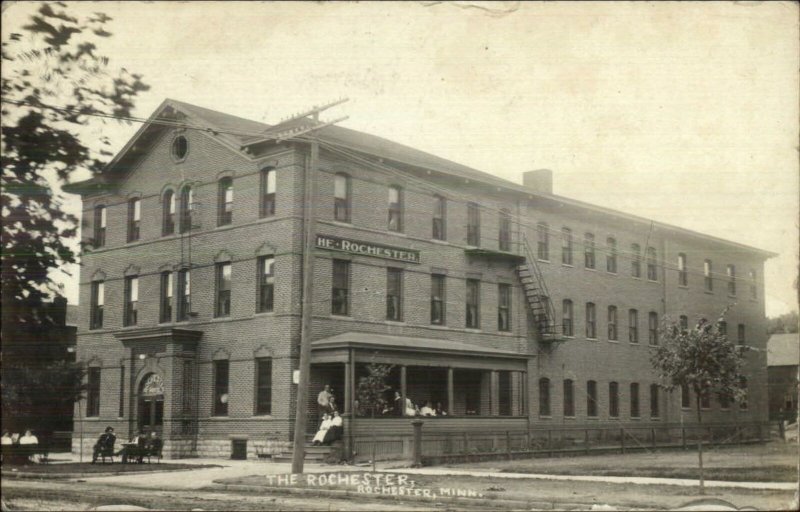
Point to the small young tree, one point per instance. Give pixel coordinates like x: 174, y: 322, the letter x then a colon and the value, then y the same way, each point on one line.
x: 370, y: 393
x: 703, y: 360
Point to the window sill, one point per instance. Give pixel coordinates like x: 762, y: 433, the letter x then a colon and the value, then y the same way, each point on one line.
x: 590, y: 269
x: 708, y: 292
x: 441, y: 242
x: 221, y: 319
x: 652, y: 281
x: 572, y: 418
x: 636, y: 418
x: 592, y: 418
x: 545, y: 417
x: 264, y: 313
x: 611, y: 273
x: 395, y: 322
x: 683, y: 286
x: 568, y: 265
x: 542, y: 261
x: 569, y: 336
x: 633, y: 343
x: 473, y: 329
x: 505, y: 333
x: 592, y: 339
x: 263, y: 416
x: 439, y: 326
x: 732, y: 296
x: 342, y: 317
x: 637, y: 278
x: 220, y: 418
x: 343, y: 223
x: 613, y: 341
x: 396, y: 233
x: 655, y: 418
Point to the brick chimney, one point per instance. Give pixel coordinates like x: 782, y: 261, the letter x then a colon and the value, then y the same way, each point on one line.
x: 540, y: 180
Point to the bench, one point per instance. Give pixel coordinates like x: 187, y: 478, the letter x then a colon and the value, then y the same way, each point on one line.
x: 21, y: 453
x: 139, y: 453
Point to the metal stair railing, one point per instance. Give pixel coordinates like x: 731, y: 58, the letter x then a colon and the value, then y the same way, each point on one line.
x: 537, y: 296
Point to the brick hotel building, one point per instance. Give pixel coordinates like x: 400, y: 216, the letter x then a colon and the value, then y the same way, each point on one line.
x: 512, y: 307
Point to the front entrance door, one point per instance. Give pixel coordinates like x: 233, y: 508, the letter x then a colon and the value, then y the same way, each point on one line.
x: 151, y: 404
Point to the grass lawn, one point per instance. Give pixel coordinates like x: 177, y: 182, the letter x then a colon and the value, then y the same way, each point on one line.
x: 86, y: 468
x: 773, y: 462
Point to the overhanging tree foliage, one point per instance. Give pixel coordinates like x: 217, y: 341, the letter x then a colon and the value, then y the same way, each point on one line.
x: 370, y: 392
x: 54, y: 82
x: 703, y: 360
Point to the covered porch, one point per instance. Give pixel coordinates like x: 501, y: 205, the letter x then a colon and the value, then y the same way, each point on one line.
x: 476, y: 389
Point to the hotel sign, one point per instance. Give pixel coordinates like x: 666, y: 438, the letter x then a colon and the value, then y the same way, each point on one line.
x: 367, y: 249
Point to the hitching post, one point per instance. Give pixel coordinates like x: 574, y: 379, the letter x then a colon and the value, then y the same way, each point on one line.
x: 417, y: 443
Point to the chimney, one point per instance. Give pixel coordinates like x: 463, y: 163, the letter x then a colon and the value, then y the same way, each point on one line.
x: 540, y: 180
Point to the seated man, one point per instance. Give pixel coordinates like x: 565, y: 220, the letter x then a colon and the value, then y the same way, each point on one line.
x: 134, y: 448
x: 104, y: 445
x: 154, y: 446
x: 439, y: 411
x: 427, y: 410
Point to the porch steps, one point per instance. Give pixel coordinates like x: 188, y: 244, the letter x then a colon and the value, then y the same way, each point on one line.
x: 312, y: 454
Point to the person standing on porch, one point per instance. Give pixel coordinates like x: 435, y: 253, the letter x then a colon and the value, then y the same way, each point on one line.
x: 398, y: 404
x: 324, y: 400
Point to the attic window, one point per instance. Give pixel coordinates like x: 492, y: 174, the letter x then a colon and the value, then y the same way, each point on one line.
x: 180, y: 146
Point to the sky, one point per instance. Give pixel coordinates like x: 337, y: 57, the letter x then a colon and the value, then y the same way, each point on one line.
x: 686, y: 113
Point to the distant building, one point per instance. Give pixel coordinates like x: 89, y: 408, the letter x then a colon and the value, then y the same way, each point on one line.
x: 783, y: 358
x: 191, y: 294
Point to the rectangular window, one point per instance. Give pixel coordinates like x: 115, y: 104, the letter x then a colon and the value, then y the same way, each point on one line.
x: 652, y: 273
x: 566, y: 246
x: 265, y: 284
x: 504, y: 392
x: 543, y: 242
x: 268, y: 178
x: 611, y: 257
x: 655, y: 411
x: 588, y: 250
x: 439, y: 216
x: 504, y: 233
x: 636, y: 261
x: 225, y: 200
x: 395, y: 209
x: 705, y: 397
x: 591, y: 321
x: 134, y: 219
x: 473, y: 225
x: 503, y: 307
x: 612, y: 323
x: 223, y: 285
x: 684, y: 322
x: 722, y: 326
x: 591, y: 399
x: 263, y: 385
x: 121, y: 412
x: 473, y: 303
x: 184, y: 294
x: 686, y: 399
x: 569, y: 399
x: 753, y: 285
x: 437, y: 299
x: 97, y: 303
x: 633, y: 326
x: 731, y: 279
x: 340, y: 290
x: 131, y: 301
x: 165, y: 313
x: 707, y: 277
x: 740, y: 334
x: 220, y: 388
x: 613, y: 399
x: 341, y: 197
x: 99, y: 226
x: 544, y: 397
x: 566, y: 318
x: 683, y: 274
x: 652, y: 328
x: 93, y: 393
x: 634, y: 400
x: 394, y: 294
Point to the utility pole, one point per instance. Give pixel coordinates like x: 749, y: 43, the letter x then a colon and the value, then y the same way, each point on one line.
x: 309, y: 233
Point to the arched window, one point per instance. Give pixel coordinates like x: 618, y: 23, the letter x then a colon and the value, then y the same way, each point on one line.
x: 655, y: 410
x: 268, y: 185
x: 187, y: 207
x: 341, y: 197
x: 591, y: 399
x: 569, y: 398
x: 635, y: 400
x: 613, y: 399
x: 652, y: 274
x: 99, y: 226
x: 225, y: 202
x: 544, y: 396
x: 395, y: 222
x: 134, y: 218
x: 168, y: 213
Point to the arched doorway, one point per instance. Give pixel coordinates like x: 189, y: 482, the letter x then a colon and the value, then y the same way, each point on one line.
x: 151, y: 404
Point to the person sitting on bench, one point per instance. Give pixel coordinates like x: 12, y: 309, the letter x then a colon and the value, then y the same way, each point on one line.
x: 104, y: 447
x: 135, y: 448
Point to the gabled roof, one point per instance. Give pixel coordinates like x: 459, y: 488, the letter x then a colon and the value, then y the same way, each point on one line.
x: 783, y: 350
x: 238, y: 132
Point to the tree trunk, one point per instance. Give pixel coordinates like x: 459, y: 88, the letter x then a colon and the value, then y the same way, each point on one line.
x: 700, y: 444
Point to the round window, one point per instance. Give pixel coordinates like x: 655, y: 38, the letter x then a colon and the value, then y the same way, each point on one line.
x: 180, y: 146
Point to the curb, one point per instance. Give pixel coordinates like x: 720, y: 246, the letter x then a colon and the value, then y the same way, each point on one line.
x: 487, y: 502
x: 72, y: 476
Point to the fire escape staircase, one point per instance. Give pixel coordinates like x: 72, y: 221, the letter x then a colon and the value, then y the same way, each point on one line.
x: 542, y: 312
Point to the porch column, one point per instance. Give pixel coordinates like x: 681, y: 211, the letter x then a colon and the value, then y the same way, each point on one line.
x: 494, y: 393
x: 450, y: 398
x: 403, y: 390
x: 349, y: 384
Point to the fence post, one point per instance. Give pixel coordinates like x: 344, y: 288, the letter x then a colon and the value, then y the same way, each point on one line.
x: 417, y: 442
x: 622, y: 440
x: 508, y: 444
x: 683, y: 436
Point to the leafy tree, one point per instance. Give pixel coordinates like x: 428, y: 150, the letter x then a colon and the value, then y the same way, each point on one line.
x: 54, y: 83
x: 703, y: 360
x: 787, y: 322
x: 370, y: 392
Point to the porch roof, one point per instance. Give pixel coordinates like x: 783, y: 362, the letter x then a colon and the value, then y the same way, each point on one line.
x: 371, y: 341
